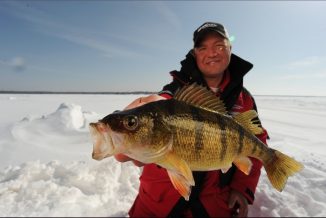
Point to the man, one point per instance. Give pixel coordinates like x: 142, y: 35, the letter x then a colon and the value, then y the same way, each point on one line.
x: 216, y: 194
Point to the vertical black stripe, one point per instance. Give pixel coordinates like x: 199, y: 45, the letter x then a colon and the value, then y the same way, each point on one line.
x: 199, y: 127
x: 156, y: 122
x: 222, y: 124
x: 170, y: 110
x: 262, y: 148
x: 170, y: 107
x: 254, y: 147
x: 158, y: 112
x: 241, y: 138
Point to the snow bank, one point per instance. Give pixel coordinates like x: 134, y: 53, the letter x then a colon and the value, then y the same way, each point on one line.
x: 58, y: 176
x: 65, y: 131
x: 67, y: 117
x: 73, y: 189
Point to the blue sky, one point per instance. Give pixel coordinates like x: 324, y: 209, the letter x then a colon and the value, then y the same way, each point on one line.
x: 133, y: 45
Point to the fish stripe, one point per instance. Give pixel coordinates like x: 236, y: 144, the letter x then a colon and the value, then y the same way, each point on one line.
x: 241, y: 139
x: 170, y: 108
x: 262, y: 149
x: 254, y: 148
x: 222, y: 125
x: 199, y: 127
x: 156, y: 125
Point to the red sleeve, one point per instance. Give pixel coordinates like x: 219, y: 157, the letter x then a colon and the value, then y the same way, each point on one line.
x: 241, y: 182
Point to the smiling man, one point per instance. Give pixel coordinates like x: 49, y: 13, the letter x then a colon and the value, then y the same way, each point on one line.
x: 212, y: 50
x: 216, y: 194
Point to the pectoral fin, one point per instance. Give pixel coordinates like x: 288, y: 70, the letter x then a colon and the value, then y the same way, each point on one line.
x: 244, y: 164
x: 179, y: 173
x: 225, y: 169
x: 180, y: 183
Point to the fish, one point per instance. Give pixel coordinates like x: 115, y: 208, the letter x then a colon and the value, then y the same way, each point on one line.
x: 190, y: 132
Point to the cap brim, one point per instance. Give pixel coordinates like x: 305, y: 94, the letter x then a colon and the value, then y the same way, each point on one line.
x: 202, y: 34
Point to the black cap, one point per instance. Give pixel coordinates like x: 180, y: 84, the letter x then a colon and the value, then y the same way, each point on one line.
x: 209, y: 27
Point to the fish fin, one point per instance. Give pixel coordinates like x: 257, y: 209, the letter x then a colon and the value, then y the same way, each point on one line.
x: 246, y: 120
x: 179, y: 172
x: 225, y: 169
x: 180, y: 184
x: 244, y: 164
x: 280, y: 168
x: 200, y: 96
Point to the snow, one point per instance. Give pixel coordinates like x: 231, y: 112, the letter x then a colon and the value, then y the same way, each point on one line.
x: 46, y: 167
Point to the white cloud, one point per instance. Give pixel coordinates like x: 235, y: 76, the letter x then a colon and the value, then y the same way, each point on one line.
x: 46, y: 24
x: 169, y: 15
x: 17, y: 63
x: 22, y: 11
x: 107, y: 49
x: 2, y: 62
x: 307, y: 68
x: 307, y: 62
x: 305, y: 76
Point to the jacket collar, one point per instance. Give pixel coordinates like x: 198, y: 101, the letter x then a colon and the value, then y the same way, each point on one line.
x: 238, y: 67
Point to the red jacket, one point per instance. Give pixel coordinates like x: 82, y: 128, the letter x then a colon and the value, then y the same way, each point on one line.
x: 157, y: 196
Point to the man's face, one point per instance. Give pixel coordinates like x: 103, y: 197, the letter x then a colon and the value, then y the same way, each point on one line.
x: 213, y: 55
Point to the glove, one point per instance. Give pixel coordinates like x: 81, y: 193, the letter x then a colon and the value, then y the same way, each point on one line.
x: 238, y: 204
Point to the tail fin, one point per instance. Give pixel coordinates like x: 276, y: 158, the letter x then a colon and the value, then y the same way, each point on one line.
x: 280, y: 168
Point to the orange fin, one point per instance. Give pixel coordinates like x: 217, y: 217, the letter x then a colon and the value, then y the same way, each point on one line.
x: 180, y: 184
x: 179, y: 173
x: 244, y: 164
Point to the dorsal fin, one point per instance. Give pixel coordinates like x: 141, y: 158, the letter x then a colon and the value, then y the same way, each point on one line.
x: 201, y: 97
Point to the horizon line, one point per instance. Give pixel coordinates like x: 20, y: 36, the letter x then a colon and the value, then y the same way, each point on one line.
x: 76, y: 92
x: 128, y: 92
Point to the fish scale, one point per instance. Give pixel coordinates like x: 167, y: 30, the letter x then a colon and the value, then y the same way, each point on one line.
x: 219, y: 139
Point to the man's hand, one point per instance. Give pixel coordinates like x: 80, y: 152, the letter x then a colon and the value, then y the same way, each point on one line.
x: 238, y: 203
x: 144, y: 100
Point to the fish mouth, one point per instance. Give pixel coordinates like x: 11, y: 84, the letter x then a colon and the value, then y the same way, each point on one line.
x: 102, y: 141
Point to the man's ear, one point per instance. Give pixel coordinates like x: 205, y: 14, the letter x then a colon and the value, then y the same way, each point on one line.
x: 230, y: 44
x: 192, y: 52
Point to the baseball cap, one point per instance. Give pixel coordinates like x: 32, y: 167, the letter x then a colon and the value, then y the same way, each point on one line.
x: 209, y: 27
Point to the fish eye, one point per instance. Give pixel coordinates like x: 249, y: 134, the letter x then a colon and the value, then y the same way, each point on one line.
x: 130, y: 122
